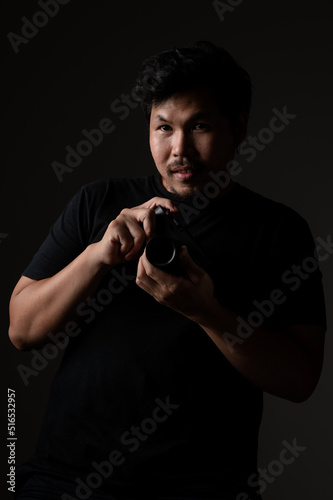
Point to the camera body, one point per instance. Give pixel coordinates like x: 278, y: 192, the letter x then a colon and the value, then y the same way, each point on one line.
x: 162, y: 250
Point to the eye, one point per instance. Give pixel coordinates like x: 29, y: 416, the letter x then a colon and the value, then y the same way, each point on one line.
x: 200, y: 126
x: 164, y: 128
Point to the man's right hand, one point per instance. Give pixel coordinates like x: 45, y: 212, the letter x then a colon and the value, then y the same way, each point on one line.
x: 126, y: 234
x: 38, y: 307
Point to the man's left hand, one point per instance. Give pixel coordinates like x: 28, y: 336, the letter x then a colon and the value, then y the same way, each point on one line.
x: 191, y: 294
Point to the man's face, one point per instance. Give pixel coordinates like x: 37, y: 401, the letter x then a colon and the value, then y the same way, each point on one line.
x: 189, y: 138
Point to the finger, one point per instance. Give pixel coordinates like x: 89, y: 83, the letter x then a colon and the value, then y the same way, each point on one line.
x: 149, y: 223
x: 157, y: 275
x: 163, y: 202
x: 142, y: 279
x: 137, y: 238
x: 132, y: 217
x: 145, y: 213
x: 126, y: 235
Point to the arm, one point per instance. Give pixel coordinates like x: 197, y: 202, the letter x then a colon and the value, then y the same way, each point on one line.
x: 286, y: 363
x: 39, y: 307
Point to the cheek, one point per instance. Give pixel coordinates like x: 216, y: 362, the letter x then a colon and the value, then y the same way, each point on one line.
x: 208, y: 147
x: 159, y: 148
x: 219, y: 149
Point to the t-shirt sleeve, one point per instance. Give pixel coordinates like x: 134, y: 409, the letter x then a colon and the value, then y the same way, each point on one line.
x: 298, y: 275
x: 67, y: 238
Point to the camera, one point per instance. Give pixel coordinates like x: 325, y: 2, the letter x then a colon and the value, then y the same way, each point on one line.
x: 162, y: 250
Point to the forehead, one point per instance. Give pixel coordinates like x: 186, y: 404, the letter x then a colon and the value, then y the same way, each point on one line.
x: 198, y: 101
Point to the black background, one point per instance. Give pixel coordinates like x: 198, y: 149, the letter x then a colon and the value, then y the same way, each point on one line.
x: 65, y: 79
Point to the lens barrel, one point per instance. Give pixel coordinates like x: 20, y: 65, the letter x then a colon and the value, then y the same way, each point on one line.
x: 161, y: 251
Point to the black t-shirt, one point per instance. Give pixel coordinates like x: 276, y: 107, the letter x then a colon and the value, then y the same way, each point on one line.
x: 145, y: 383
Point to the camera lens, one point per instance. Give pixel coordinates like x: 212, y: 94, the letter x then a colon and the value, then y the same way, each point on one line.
x: 161, y: 251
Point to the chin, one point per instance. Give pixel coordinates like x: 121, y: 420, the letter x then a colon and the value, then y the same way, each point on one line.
x: 184, y: 192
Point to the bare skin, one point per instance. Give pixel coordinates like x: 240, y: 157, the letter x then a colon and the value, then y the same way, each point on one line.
x: 189, y: 137
x: 287, y: 363
x: 39, y: 307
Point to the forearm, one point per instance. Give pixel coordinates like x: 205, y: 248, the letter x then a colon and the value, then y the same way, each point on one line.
x: 286, y: 363
x: 38, y: 307
x: 44, y: 306
x: 271, y: 360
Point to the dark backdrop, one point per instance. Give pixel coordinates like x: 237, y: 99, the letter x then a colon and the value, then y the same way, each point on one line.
x: 64, y: 80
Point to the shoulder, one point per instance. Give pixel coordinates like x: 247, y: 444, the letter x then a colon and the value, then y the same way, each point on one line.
x: 271, y: 211
x: 122, y: 189
x: 280, y: 228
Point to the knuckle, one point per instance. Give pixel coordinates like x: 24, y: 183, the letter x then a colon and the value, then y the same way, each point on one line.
x: 148, y: 272
x: 153, y: 202
x: 172, y: 289
x: 114, y: 223
x: 126, y: 245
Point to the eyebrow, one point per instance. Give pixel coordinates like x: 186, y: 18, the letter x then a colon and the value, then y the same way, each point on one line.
x: 197, y: 116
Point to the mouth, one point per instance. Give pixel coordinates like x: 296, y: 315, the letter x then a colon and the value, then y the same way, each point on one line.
x: 183, y: 173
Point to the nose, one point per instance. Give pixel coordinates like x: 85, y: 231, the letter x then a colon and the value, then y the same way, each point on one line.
x: 182, y: 144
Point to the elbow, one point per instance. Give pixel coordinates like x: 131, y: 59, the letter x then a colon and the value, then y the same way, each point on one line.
x: 19, y: 341
x: 16, y: 332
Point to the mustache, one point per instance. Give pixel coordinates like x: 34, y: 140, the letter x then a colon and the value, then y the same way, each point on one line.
x: 195, y: 165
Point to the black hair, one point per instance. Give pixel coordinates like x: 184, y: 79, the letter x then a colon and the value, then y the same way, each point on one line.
x: 175, y: 70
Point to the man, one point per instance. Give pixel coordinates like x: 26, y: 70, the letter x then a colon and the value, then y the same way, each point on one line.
x: 159, y: 394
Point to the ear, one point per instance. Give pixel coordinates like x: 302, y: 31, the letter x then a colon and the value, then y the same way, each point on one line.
x: 241, y: 127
